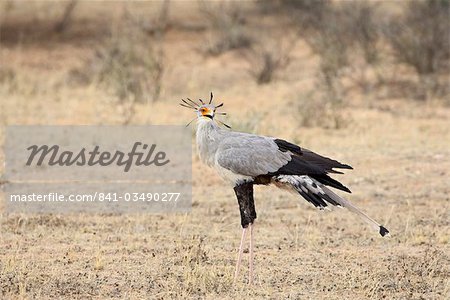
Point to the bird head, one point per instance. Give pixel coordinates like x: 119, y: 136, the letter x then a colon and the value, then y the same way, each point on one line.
x: 204, y: 110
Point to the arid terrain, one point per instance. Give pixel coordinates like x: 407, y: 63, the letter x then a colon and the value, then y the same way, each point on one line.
x: 398, y: 145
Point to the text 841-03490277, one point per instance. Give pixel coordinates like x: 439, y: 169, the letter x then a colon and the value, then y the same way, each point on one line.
x: 135, y: 197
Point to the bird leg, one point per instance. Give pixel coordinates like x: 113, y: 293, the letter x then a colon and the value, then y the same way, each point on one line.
x: 250, y: 276
x: 244, y: 194
x: 241, y: 249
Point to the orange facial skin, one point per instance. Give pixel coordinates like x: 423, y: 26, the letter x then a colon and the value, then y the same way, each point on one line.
x: 205, y: 111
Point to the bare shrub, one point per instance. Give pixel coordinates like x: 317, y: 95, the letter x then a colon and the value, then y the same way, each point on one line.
x: 364, y: 29
x: 420, y: 38
x: 316, y: 109
x: 156, y: 26
x: 8, y: 79
x: 345, y: 36
x: 365, y: 53
x: 307, y: 13
x: 129, y: 65
x: 267, y: 58
x: 333, y: 31
x: 329, y: 40
x: 130, y: 61
x: 130, y: 68
x: 227, y: 22
x: 64, y: 22
x: 354, y: 20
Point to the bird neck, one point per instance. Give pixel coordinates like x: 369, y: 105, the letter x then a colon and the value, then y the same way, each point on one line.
x: 207, y: 137
x: 205, y: 121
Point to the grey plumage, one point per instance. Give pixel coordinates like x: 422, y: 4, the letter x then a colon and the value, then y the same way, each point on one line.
x: 241, y: 157
x: 245, y: 159
x: 250, y: 155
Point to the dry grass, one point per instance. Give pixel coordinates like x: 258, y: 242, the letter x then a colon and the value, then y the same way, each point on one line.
x: 420, y: 38
x: 399, y: 150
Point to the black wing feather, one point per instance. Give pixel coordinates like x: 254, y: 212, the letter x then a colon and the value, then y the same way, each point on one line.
x: 306, y: 162
x: 308, y: 155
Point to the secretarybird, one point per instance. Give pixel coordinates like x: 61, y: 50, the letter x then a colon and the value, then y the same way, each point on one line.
x: 245, y: 159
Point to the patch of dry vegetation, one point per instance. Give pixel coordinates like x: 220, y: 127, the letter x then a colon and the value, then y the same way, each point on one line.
x: 129, y: 64
x: 267, y: 58
x: 356, y: 46
x: 420, y: 38
x: 398, y: 147
x: 227, y: 22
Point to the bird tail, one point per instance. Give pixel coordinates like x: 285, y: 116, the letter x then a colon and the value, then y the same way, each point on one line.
x: 319, y: 195
x: 383, y: 231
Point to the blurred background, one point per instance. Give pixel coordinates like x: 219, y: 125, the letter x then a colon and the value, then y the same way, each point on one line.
x: 123, y: 62
x: 365, y: 82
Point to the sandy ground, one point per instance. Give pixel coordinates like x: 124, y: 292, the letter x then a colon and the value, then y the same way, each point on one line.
x: 399, y: 150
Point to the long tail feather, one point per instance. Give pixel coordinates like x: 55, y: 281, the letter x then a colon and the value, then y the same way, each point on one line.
x: 347, y: 204
x: 319, y: 195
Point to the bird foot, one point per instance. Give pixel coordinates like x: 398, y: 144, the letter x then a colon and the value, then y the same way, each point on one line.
x: 241, y: 250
